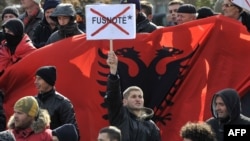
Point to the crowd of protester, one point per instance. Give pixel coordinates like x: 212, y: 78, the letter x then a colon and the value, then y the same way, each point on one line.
x: 43, y: 24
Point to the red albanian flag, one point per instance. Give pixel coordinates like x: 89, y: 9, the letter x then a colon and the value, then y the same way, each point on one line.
x: 179, y: 68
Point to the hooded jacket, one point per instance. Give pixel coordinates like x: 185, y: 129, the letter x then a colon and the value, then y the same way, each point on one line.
x: 65, y: 31
x: 38, y: 131
x: 24, y: 48
x: 132, y: 128
x: 232, y: 103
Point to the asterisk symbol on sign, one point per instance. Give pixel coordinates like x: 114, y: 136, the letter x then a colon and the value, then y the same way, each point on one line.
x: 130, y: 17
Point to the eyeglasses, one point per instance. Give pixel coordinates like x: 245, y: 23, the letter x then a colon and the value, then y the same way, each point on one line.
x: 227, y: 5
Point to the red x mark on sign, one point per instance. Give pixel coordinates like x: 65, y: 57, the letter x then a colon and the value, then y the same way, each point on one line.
x: 110, y: 21
x: 247, y: 3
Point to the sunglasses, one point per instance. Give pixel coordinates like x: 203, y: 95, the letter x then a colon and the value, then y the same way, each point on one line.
x: 227, y: 5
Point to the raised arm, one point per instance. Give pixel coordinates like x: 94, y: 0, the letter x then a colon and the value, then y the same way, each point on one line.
x: 112, y: 61
x: 113, y: 95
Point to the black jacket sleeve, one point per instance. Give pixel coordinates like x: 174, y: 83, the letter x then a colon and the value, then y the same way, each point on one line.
x: 2, y: 114
x: 114, y: 99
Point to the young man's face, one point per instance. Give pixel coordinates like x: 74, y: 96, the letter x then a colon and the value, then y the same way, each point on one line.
x: 220, y: 108
x: 134, y: 100
x: 47, y: 14
x: 8, y: 16
x: 22, y: 120
x: 63, y: 20
x: 172, y: 12
x: 41, y: 85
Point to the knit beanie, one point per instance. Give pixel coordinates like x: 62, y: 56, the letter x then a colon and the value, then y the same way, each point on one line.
x: 10, y: 10
x: 50, y: 4
x: 48, y: 74
x: 37, y: 1
x: 15, y: 25
x: 136, y: 2
x: 204, y: 12
x: 7, y: 136
x: 187, y: 8
x: 28, y: 105
x: 66, y: 132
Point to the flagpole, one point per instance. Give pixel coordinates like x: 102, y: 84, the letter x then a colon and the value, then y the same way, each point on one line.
x: 111, y: 45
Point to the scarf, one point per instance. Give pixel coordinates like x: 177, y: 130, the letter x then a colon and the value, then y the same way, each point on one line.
x: 68, y: 30
x: 29, y: 18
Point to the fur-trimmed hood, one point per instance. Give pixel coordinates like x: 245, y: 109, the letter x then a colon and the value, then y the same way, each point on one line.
x: 39, y: 125
x: 147, y: 113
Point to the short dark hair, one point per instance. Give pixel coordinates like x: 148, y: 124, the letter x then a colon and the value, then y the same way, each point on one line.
x: 147, y: 6
x: 113, y: 132
x: 173, y: 2
x: 199, y: 131
x: 127, y: 91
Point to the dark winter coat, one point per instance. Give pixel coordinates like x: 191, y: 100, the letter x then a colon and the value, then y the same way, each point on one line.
x: 232, y: 102
x: 42, y: 33
x: 60, y: 108
x: 133, y: 128
x: 1, y: 36
x: 29, y: 28
x: 2, y: 113
x: 143, y: 25
x: 60, y: 34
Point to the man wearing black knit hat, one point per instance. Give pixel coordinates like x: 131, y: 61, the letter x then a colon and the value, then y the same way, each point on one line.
x: 8, y: 12
x: 60, y: 108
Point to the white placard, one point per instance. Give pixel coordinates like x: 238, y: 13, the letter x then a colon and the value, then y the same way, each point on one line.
x: 110, y: 21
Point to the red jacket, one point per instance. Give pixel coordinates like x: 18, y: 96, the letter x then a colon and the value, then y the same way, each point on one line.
x: 38, y: 130
x: 24, y: 48
x: 29, y: 135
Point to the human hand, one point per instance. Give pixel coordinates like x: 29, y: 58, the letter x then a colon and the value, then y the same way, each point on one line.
x: 112, y: 61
